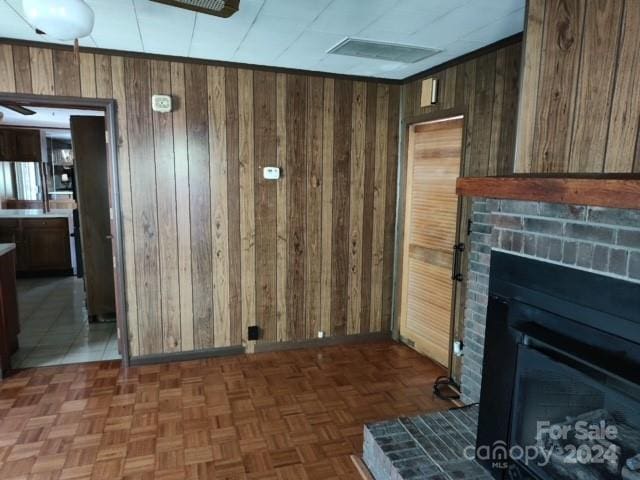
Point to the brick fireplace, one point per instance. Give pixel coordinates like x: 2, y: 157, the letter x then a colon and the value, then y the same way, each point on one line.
x: 530, y: 238
x: 602, y: 240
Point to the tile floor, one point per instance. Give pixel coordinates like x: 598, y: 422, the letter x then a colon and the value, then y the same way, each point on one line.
x: 54, y: 326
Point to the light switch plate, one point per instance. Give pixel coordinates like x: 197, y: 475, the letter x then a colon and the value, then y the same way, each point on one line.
x: 161, y: 103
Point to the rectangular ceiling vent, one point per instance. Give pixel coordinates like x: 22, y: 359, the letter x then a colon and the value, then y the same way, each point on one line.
x: 394, y: 52
x: 220, y: 8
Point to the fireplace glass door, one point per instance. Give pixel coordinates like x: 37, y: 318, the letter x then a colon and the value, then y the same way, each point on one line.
x: 572, y: 420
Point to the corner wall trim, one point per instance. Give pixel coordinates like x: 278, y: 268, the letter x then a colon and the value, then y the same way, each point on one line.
x: 322, y: 342
x: 186, y: 356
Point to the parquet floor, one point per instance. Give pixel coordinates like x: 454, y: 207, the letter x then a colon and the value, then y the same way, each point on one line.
x: 287, y: 415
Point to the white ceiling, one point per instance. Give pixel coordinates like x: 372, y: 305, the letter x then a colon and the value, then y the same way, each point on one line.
x: 44, y: 117
x: 294, y: 33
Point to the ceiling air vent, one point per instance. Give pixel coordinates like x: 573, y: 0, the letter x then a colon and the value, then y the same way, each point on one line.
x: 219, y: 8
x: 382, y: 51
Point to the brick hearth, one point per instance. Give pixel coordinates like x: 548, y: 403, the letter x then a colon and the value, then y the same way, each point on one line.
x: 428, y: 446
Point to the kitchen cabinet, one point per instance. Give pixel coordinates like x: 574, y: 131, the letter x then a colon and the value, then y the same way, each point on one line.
x: 42, y: 245
x: 20, y: 145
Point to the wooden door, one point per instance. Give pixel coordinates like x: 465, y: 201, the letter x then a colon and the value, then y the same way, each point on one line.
x: 430, y: 234
x: 92, y: 186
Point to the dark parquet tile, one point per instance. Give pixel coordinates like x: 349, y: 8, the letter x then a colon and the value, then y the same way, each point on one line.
x: 286, y: 415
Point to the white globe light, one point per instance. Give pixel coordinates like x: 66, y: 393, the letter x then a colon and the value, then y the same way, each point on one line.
x: 60, y: 19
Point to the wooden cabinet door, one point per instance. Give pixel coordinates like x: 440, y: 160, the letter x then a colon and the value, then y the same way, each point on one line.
x: 430, y: 233
x: 7, y: 146
x: 47, y: 245
x: 28, y: 147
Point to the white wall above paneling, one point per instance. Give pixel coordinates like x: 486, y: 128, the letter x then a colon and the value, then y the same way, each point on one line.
x: 293, y: 33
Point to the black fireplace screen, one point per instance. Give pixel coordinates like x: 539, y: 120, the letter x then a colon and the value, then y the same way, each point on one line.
x: 572, y: 420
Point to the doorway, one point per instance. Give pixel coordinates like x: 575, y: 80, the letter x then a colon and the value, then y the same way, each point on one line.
x: 71, y: 313
x: 431, y: 252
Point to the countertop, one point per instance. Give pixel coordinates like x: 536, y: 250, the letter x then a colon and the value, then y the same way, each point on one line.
x: 35, y: 213
x: 6, y: 248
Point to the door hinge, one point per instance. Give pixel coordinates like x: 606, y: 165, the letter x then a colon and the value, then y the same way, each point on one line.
x: 469, y: 225
x: 458, y: 248
x: 114, y: 262
x: 106, y: 137
x: 110, y: 213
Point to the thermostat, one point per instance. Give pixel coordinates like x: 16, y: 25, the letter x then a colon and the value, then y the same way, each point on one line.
x: 161, y: 103
x: 271, y: 173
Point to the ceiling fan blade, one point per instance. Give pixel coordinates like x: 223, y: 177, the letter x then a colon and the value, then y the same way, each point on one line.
x: 17, y: 108
x: 219, y: 8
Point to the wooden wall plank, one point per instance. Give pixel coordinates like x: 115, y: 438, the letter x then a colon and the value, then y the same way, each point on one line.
x: 247, y: 207
x: 88, y: 75
x: 126, y: 204
x: 200, y: 203
x: 104, y: 87
x: 296, y: 204
x: 368, y: 195
x: 624, y: 123
x: 497, y: 116
x: 505, y: 154
x: 598, y: 63
x: 327, y: 204
x: 482, y: 115
x: 219, y: 207
x: 233, y: 205
x: 181, y: 162
x: 66, y: 74
x: 8, y: 77
x: 281, y: 200
x: 532, y: 58
x: 143, y: 190
x: 22, y: 69
x: 379, y: 206
x: 448, y: 93
x: 466, y: 90
x: 390, y: 207
x: 265, y: 148
x: 356, y: 205
x: 168, y: 222
x: 41, y: 70
x: 313, y: 241
x: 563, y: 27
x: 343, y: 100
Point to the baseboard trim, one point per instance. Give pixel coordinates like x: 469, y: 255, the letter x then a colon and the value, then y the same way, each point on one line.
x: 262, y: 347
x: 185, y: 356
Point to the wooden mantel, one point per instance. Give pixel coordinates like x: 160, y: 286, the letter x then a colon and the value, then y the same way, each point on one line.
x: 623, y: 192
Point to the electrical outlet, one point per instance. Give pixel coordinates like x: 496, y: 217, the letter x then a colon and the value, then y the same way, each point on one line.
x: 253, y: 333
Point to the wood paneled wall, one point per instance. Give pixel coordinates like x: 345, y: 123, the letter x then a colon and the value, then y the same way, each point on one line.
x: 580, y: 104
x: 484, y: 89
x: 211, y: 247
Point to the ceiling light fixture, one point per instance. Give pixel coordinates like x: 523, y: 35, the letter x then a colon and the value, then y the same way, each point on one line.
x: 61, y: 19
